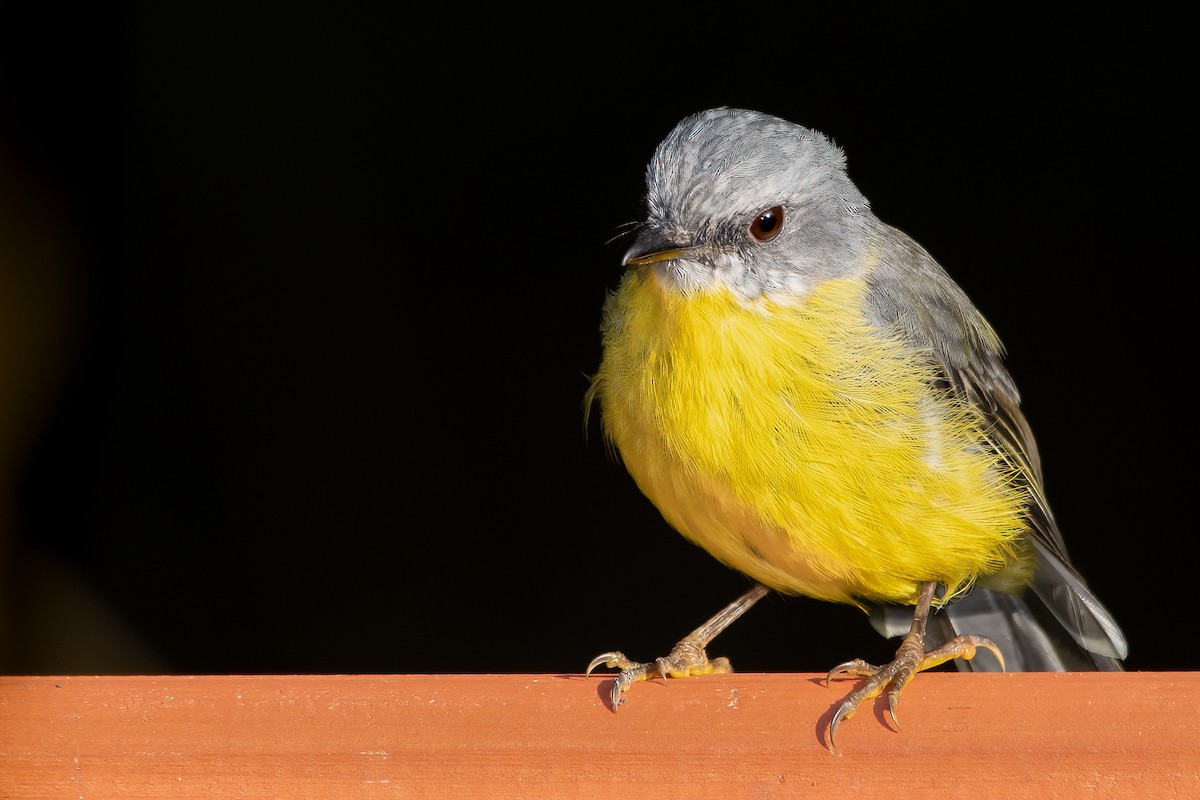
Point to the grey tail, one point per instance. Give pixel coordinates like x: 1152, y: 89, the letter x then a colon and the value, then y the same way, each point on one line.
x: 1024, y: 628
x: 1028, y: 634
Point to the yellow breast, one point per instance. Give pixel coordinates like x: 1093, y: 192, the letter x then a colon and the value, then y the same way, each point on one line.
x: 799, y: 445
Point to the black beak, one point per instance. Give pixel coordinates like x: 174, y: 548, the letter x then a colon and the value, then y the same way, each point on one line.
x: 651, y: 246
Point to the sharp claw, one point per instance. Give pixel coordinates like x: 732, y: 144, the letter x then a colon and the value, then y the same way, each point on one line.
x: 910, y: 659
x: 842, y: 669
x: 838, y: 670
x: 988, y: 644
x: 604, y: 659
x: 838, y: 716
x: 623, y: 679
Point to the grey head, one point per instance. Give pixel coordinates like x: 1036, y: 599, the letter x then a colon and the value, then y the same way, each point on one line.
x: 751, y: 202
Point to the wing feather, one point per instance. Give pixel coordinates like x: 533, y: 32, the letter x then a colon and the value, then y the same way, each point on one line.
x: 910, y: 293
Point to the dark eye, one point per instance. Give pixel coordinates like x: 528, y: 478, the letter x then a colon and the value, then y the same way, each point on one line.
x: 768, y: 224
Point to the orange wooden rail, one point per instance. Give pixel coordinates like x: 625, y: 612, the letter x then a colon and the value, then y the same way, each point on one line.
x: 744, y: 735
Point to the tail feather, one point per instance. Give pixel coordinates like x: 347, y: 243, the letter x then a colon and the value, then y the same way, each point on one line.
x: 1056, y: 626
x: 1026, y: 631
x: 1064, y: 594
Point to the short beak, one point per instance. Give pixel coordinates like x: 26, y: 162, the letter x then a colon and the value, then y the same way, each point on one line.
x: 652, y: 246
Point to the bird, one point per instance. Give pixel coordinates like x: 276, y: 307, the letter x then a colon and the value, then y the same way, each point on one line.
x: 804, y: 392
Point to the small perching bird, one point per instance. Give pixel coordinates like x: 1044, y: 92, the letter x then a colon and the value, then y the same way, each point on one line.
x: 802, y: 391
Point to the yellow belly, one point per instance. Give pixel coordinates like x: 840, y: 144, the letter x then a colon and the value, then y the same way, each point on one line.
x: 800, y: 446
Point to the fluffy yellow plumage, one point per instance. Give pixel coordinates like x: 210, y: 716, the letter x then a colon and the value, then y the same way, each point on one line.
x: 798, y: 446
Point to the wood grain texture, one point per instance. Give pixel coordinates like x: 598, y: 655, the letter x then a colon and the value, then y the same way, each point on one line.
x: 548, y: 736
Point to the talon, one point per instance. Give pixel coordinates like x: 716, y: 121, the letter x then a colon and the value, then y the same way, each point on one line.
x: 612, y: 660
x: 856, y: 667
x: 630, y: 673
x: 843, y: 712
x: 988, y: 644
x: 840, y: 669
x: 686, y: 658
x: 894, y: 676
x: 617, y: 691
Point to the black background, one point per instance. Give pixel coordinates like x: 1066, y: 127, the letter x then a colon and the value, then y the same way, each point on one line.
x: 330, y: 280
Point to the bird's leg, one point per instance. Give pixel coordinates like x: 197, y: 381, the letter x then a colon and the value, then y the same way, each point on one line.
x: 686, y: 658
x: 910, y: 659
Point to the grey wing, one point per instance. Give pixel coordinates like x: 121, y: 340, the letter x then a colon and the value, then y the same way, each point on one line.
x: 911, y: 293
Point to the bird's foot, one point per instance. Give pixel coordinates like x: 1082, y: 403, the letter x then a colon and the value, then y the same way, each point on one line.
x: 687, y: 658
x: 910, y: 659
